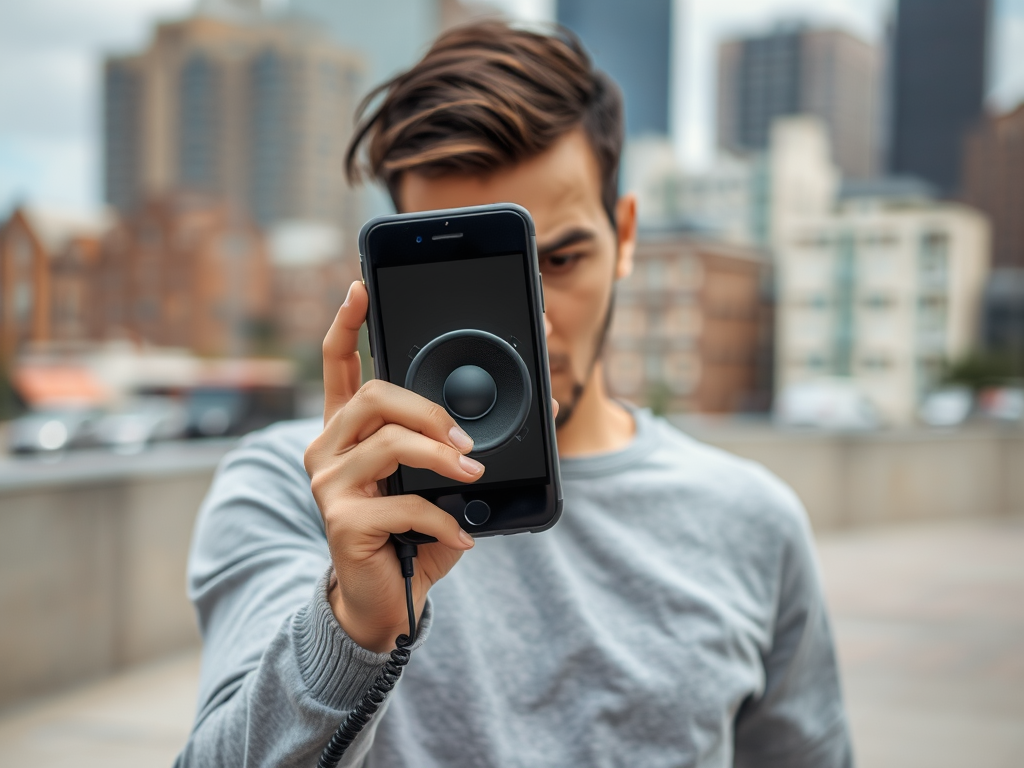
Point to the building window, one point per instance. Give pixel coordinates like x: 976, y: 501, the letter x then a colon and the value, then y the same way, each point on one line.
x: 689, y: 273
x: 929, y: 373
x: 23, y: 301
x: 628, y: 322
x: 656, y: 274
x: 878, y: 302
x: 818, y: 302
x: 683, y: 322
x: 149, y: 235
x: 656, y: 322
x: 933, y: 264
x: 652, y: 367
x: 199, y: 123
x: 681, y: 372
x: 876, y: 362
x: 625, y: 370
x: 932, y: 318
x: 815, y: 362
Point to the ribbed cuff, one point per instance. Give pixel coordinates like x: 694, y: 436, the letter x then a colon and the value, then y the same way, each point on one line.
x: 336, y: 670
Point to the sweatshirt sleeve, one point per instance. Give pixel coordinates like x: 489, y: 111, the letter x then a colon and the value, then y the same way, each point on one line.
x: 279, y: 674
x: 798, y: 721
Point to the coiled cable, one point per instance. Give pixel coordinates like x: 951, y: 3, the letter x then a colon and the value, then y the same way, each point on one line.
x: 385, y: 681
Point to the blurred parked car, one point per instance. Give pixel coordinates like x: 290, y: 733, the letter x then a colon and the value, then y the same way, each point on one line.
x: 826, y: 404
x: 1003, y: 403
x: 215, y: 411
x: 53, y: 431
x: 143, y: 421
x: 947, y: 407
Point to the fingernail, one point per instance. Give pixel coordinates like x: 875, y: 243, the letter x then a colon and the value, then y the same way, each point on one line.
x: 466, y: 539
x: 471, y: 466
x: 348, y: 295
x: 460, y: 439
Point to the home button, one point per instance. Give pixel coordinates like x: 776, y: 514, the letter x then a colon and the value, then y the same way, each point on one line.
x: 477, y: 512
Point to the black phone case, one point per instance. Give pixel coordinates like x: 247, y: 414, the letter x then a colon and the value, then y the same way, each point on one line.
x: 554, y: 503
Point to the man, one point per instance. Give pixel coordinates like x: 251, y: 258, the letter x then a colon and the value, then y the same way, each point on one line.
x: 673, y: 617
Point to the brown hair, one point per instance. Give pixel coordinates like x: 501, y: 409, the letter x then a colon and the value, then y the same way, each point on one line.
x: 488, y: 95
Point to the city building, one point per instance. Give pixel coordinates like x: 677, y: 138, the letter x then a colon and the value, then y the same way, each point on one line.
x: 389, y: 35
x: 238, y: 107
x: 632, y: 42
x: 799, y: 181
x: 46, y: 257
x: 1003, y: 324
x: 883, y: 292
x: 827, y: 73
x: 183, y: 271
x: 311, y: 275
x: 993, y: 182
x: 742, y: 200
x: 691, y: 329
x: 937, y: 76
x: 716, y: 200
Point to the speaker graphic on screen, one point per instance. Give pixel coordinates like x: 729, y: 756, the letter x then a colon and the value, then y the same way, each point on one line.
x: 480, y: 379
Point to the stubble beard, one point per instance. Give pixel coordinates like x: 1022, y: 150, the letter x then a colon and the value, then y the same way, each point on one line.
x: 566, y: 409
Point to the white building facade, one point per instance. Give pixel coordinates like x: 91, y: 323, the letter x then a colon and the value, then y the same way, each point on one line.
x: 747, y: 201
x: 883, y: 291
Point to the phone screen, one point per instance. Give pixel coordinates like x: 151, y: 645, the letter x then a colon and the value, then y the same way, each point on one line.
x: 419, y: 302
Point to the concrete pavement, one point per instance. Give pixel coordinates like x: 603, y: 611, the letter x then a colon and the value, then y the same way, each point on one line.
x: 929, y: 620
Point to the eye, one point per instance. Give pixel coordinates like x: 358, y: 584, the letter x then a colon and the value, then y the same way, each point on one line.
x: 560, y: 262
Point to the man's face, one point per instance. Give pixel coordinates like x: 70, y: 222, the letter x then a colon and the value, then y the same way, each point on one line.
x: 581, y: 255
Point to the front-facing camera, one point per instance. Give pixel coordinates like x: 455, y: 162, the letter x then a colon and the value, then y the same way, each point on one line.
x: 419, y: 238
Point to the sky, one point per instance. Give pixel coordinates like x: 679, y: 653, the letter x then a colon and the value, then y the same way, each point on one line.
x: 51, y: 53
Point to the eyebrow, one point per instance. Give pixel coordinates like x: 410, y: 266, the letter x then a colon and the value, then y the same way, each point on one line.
x: 572, y: 237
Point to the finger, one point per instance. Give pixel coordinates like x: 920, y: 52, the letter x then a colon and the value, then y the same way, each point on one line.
x: 554, y: 407
x: 380, y: 454
x: 398, y: 514
x: 380, y: 402
x: 342, y: 370
x: 547, y: 327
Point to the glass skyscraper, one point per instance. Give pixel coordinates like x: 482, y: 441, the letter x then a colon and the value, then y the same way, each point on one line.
x: 632, y: 42
x: 939, y: 52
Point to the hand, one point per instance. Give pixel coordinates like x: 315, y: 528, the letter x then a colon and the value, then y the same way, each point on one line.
x: 368, y: 431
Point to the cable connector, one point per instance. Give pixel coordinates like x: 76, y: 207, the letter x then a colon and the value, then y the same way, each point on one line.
x: 406, y: 554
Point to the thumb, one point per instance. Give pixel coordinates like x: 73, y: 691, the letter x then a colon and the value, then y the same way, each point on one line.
x: 342, y: 370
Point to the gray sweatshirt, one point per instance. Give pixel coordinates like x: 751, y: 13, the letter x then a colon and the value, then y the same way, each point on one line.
x: 673, y: 617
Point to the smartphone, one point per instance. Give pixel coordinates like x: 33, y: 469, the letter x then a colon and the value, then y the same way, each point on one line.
x: 456, y: 315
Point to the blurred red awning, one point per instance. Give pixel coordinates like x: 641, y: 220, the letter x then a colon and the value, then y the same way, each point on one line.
x: 42, y: 386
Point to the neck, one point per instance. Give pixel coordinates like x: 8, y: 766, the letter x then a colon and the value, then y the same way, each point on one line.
x: 598, y: 423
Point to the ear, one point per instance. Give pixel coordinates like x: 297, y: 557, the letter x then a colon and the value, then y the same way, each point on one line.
x: 625, y: 223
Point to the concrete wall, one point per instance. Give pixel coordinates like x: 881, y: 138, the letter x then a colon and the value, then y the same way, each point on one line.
x: 92, y: 567
x: 93, y: 550
x: 848, y: 480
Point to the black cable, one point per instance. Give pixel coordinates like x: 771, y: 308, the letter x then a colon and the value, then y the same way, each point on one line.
x: 373, y: 698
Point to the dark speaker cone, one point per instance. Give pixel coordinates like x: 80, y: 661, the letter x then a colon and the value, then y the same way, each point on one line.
x: 480, y: 379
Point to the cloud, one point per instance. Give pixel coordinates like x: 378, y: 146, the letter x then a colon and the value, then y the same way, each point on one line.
x: 50, y: 57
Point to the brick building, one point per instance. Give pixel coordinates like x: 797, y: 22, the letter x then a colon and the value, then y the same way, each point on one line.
x: 45, y: 259
x: 692, y: 327
x: 311, y: 275
x: 184, y: 272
